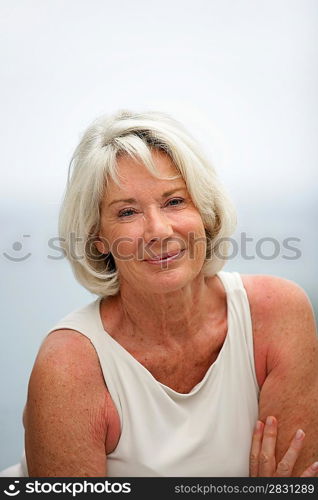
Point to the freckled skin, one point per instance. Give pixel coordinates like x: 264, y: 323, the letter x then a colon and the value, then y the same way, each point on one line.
x: 286, y: 357
x: 173, y: 320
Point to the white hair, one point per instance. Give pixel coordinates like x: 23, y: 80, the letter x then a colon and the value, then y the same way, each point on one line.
x: 95, y: 161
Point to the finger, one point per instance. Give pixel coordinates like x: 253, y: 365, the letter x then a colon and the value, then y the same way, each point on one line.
x: 256, y: 448
x: 286, y: 465
x: 267, y: 461
x: 312, y: 470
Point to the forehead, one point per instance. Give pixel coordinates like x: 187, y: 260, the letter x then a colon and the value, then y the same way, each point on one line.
x: 134, y: 175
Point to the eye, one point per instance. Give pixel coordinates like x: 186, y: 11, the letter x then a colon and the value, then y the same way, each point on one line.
x: 174, y: 202
x: 126, y: 212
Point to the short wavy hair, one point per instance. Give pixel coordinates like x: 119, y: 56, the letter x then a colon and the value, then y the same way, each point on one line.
x: 95, y: 161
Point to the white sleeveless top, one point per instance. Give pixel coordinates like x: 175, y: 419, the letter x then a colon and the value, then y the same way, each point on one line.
x: 206, y: 432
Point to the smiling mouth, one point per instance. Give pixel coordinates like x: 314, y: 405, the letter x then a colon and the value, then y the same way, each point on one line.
x: 165, y: 257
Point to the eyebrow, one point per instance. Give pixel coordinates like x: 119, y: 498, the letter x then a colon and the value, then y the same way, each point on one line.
x: 164, y: 195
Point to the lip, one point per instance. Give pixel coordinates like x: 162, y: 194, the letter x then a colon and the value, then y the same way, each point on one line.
x: 166, y: 257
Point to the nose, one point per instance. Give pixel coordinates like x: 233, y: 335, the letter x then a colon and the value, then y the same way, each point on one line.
x: 157, y: 226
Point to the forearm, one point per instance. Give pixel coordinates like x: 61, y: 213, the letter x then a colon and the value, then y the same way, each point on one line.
x: 295, y: 408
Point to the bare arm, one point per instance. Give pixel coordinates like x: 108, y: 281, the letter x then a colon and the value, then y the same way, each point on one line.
x: 283, y: 316
x: 264, y: 444
x: 66, y: 412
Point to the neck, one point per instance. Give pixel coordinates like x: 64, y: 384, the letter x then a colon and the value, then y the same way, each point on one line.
x: 160, y: 318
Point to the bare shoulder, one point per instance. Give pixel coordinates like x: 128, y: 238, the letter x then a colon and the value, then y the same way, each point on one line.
x: 275, y: 301
x: 68, y: 361
x: 69, y: 354
x: 272, y: 293
x: 67, y: 409
x: 282, y: 319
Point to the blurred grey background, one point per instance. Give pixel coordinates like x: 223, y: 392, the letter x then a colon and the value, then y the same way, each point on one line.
x: 242, y: 77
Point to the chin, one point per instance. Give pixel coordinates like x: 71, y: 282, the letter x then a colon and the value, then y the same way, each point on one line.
x: 170, y: 280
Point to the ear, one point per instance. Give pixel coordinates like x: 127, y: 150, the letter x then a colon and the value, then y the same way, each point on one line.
x: 102, y: 245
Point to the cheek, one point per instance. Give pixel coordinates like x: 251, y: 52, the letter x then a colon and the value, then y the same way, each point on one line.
x: 193, y: 225
x: 197, y: 247
x: 123, y: 249
x: 122, y: 239
x: 126, y: 245
x: 197, y: 238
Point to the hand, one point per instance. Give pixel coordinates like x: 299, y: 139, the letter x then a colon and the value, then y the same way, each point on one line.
x: 262, y: 455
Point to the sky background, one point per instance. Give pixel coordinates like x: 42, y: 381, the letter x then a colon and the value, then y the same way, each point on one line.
x: 241, y: 75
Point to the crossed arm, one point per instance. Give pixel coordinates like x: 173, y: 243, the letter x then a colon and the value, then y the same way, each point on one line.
x: 264, y: 446
x: 283, y: 316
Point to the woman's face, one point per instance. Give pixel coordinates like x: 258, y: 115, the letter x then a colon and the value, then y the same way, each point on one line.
x: 151, y: 227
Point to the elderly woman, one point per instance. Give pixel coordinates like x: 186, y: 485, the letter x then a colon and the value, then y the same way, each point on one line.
x: 167, y: 372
